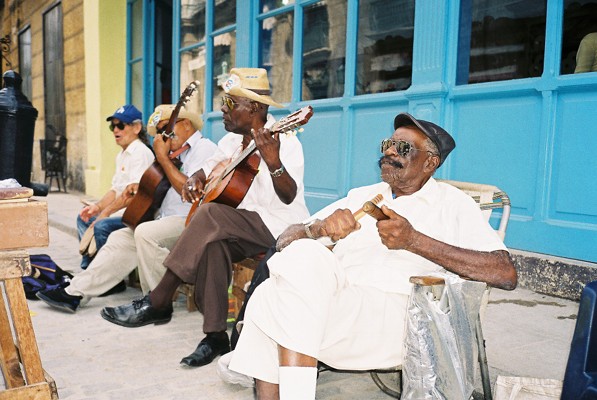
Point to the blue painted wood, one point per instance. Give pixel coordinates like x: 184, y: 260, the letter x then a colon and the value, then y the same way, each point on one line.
x: 535, y: 138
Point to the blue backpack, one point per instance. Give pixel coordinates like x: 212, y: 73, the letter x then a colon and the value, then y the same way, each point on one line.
x: 45, y: 274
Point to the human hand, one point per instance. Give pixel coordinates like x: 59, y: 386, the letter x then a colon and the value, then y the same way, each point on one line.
x: 268, y: 145
x: 336, y: 226
x: 161, y: 148
x: 130, y: 191
x: 89, y: 212
x: 396, y: 233
x: 192, y: 190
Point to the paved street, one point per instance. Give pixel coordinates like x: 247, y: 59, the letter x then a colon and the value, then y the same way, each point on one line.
x: 527, y: 334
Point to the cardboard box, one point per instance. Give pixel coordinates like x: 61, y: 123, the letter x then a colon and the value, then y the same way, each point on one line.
x: 23, y: 224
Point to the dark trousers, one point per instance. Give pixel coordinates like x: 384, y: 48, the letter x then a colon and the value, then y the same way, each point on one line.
x: 217, y: 236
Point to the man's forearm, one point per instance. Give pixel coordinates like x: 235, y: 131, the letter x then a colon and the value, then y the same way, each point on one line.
x: 495, y: 268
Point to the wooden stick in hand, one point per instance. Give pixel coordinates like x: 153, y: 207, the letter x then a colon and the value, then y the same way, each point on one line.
x: 373, y: 210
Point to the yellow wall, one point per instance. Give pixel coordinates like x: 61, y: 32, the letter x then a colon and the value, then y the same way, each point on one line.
x: 105, y: 80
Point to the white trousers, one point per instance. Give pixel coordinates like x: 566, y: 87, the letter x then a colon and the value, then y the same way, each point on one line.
x: 308, y: 306
x: 146, y: 247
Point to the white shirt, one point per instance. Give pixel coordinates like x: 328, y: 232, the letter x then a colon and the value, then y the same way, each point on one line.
x: 261, y: 196
x: 131, y: 163
x: 192, y: 160
x: 438, y: 210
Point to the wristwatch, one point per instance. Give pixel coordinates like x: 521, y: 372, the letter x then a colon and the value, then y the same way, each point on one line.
x: 278, y: 172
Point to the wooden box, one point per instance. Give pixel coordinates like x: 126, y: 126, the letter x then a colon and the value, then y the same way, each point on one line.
x: 23, y: 224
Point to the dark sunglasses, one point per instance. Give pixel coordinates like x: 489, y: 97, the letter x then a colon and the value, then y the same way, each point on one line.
x: 403, y: 148
x: 228, y: 102
x: 119, y: 125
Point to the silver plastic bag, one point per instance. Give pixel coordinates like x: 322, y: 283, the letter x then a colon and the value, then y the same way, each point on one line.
x: 441, y: 351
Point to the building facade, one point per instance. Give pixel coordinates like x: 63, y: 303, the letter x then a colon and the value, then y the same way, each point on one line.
x: 498, y: 74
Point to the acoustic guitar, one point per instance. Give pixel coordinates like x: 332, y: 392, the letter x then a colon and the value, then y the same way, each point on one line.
x: 230, y: 180
x: 154, y: 183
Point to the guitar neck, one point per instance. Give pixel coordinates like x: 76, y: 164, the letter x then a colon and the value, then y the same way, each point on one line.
x: 283, y: 125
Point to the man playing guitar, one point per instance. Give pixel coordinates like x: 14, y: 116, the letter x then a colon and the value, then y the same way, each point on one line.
x: 219, y: 234
x: 149, y: 244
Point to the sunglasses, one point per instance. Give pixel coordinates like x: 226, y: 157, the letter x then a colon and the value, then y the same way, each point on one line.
x: 228, y: 102
x: 119, y: 125
x: 403, y: 148
x: 162, y: 130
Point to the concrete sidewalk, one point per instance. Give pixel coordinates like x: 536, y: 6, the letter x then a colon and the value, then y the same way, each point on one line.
x: 527, y: 334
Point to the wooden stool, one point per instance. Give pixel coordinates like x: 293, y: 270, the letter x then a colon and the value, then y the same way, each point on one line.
x: 20, y: 361
x: 242, y: 273
x: 186, y: 289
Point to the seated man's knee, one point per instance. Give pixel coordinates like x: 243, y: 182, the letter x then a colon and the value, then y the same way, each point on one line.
x: 306, y: 256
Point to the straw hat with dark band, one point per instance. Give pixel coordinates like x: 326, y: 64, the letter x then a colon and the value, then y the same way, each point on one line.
x: 163, y: 113
x: 251, y: 83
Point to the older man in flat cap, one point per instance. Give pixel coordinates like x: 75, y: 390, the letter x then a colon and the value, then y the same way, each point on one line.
x: 343, y: 306
x: 149, y: 244
x: 219, y: 234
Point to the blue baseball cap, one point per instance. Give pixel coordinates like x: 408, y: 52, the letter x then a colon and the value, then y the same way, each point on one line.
x: 127, y: 114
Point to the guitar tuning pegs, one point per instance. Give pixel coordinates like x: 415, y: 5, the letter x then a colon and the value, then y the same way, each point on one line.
x: 301, y: 130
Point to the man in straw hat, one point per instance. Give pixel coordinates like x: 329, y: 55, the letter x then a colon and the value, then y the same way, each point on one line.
x: 149, y: 244
x: 347, y: 307
x: 218, y: 234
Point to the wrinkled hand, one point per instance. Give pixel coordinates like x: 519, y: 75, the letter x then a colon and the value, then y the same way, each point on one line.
x: 192, y: 189
x: 396, y: 233
x: 89, y: 212
x: 268, y: 145
x: 161, y: 148
x: 337, y: 226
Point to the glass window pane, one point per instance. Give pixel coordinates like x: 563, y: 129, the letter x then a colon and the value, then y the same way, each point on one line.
x: 506, y: 40
x: 223, y: 61
x: 163, y: 55
x: 275, y: 54
x: 137, y: 85
x: 579, y: 42
x: 324, y: 49
x: 268, y: 5
x: 25, y: 61
x: 225, y: 13
x: 137, y: 29
x: 192, y: 68
x: 385, y: 46
x: 192, y: 22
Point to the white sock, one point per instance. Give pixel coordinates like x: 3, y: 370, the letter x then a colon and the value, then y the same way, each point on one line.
x: 298, y: 383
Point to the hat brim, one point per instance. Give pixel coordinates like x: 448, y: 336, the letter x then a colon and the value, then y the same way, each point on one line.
x: 249, y: 94
x: 183, y: 114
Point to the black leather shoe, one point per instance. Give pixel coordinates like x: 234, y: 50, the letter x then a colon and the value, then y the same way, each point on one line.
x: 139, y: 313
x: 210, y: 347
x: 59, y: 299
x: 119, y: 288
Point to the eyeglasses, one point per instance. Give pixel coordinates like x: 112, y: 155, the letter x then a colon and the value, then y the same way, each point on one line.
x: 119, y: 125
x: 402, y: 147
x: 161, y: 130
x: 228, y: 102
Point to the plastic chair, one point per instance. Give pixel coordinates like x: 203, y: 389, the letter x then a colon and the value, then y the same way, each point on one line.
x: 489, y: 198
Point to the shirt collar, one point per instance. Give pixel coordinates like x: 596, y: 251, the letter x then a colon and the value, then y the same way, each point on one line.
x: 132, y: 145
x: 194, y: 139
x: 428, y: 193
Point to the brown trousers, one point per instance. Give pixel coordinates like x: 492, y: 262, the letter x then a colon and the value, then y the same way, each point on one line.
x: 217, y: 236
